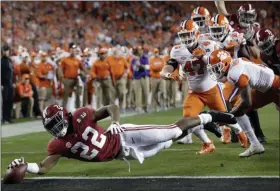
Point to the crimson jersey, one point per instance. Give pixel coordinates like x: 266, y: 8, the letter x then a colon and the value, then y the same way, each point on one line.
x: 248, y: 32
x: 88, y: 142
x: 273, y: 61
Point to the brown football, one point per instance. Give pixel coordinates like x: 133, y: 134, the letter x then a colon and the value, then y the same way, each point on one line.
x: 15, y: 175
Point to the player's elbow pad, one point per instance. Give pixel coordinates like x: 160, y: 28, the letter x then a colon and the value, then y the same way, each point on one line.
x: 172, y: 62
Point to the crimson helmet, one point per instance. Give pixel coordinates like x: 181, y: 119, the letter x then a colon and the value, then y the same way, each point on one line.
x: 246, y: 15
x: 56, y: 120
x: 265, y: 41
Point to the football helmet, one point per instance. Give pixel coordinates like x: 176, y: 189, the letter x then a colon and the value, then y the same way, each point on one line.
x: 56, y: 120
x: 219, y: 27
x: 246, y: 15
x: 189, y: 33
x: 265, y: 41
x: 201, y: 16
x: 218, y: 63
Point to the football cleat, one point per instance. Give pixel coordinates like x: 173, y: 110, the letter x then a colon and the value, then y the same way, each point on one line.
x: 242, y: 139
x: 186, y: 140
x: 253, y: 150
x: 222, y: 117
x: 207, y: 148
x: 226, y: 138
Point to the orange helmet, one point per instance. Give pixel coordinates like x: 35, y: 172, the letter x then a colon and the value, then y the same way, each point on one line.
x: 189, y: 33
x: 201, y: 16
x: 218, y: 63
x: 219, y: 27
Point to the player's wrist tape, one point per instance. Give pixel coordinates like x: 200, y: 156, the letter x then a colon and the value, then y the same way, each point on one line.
x: 205, y: 118
x: 33, y: 168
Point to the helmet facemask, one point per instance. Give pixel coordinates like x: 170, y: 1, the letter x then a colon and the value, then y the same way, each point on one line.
x: 200, y: 21
x: 267, y: 46
x: 216, y: 71
x: 218, y: 32
x: 188, y: 37
x: 246, y: 18
x: 56, y: 125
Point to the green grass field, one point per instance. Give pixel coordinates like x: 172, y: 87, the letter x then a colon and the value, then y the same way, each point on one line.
x: 178, y: 160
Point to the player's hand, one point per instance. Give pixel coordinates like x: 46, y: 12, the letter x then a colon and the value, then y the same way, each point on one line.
x: 16, y: 162
x: 115, y: 129
x: 198, y: 52
x: 173, y: 76
x: 231, y: 44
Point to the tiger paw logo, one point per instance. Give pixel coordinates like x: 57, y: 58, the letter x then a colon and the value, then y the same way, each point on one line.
x: 222, y: 55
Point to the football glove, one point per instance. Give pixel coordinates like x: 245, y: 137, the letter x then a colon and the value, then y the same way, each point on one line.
x: 16, y: 162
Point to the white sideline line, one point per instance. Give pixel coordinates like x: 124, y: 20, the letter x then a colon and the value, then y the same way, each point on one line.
x: 148, y: 177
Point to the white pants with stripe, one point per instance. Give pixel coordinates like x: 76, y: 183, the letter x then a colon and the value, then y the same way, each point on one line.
x: 148, y: 140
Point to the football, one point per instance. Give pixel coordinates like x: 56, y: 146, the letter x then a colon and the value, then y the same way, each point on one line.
x: 15, y: 175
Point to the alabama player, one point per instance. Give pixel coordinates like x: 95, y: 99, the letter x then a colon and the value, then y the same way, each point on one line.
x: 203, y: 90
x: 269, y: 46
x: 78, y: 136
x: 244, y: 75
x: 201, y: 17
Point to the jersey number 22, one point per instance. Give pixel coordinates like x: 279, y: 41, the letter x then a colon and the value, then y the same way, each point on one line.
x: 98, y: 144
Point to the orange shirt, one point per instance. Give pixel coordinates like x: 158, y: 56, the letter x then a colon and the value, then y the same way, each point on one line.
x: 24, y: 89
x: 43, y: 69
x: 24, y: 68
x: 100, y: 69
x: 130, y: 72
x: 33, y: 75
x: 70, y: 67
x: 117, y: 65
x: 156, y: 65
x: 16, y: 72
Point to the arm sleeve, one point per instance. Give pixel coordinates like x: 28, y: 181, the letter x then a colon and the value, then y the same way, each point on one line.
x: 172, y: 62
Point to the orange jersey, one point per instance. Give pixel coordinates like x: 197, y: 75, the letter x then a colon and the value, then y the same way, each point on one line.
x: 45, y: 69
x: 117, y: 65
x: 70, y: 67
x: 24, y: 68
x: 100, y: 69
x: 24, y: 89
x: 156, y: 65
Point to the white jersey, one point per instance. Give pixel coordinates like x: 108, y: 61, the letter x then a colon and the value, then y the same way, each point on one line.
x: 196, y: 71
x: 232, y: 36
x: 258, y: 76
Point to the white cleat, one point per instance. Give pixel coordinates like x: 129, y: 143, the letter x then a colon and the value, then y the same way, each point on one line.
x: 186, y: 140
x: 253, y: 150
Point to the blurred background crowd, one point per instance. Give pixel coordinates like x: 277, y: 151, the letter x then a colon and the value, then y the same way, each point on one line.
x: 57, y: 49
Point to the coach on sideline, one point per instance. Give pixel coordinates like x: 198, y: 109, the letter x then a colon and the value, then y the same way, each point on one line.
x: 140, y: 66
x: 6, y: 84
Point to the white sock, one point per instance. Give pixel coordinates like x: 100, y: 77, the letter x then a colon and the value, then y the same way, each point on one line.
x: 236, y: 127
x: 205, y: 118
x: 246, y: 126
x: 202, y: 135
x: 190, y: 131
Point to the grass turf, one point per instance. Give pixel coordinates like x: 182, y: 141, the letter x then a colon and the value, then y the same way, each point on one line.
x: 178, y: 160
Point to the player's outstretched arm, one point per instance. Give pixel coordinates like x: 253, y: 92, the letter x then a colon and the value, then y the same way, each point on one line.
x: 245, y: 103
x: 221, y: 8
x: 106, y: 111
x: 37, y: 168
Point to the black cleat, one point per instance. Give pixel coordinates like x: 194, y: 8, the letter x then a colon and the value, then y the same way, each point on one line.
x: 222, y: 117
x: 213, y: 128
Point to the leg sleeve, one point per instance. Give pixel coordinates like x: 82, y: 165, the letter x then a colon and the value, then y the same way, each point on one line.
x: 143, y: 135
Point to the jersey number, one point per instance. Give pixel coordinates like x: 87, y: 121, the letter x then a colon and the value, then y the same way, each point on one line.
x: 192, y: 67
x: 98, y: 144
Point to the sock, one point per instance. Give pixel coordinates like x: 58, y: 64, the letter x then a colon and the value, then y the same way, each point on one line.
x: 254, y: 119
x: 246, y: 126
x: 190, y: 131
x: 202, y: 135
x: 236, y: 128
x: 205, y: 118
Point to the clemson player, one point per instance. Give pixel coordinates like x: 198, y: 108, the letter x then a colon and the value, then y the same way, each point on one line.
x: 244, y: 75
x: 203, y: 90
x: 201, y: 17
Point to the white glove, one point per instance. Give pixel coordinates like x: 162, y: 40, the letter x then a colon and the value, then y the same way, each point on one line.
x: 16, y: 162
x: 115, y: 128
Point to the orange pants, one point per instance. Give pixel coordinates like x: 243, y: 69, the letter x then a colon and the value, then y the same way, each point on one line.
x: 195, y: 102
x: 231, y: 94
